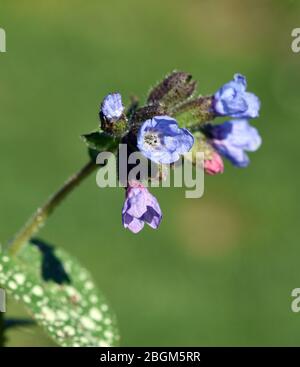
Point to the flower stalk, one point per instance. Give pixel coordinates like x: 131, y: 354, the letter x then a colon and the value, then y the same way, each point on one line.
x: 40, y: 216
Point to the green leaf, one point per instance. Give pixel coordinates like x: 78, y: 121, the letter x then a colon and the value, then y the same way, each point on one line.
x: 101, y: 141
x: 60, y: 295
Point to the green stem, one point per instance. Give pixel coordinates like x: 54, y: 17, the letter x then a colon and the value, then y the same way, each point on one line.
x: 42, y: 213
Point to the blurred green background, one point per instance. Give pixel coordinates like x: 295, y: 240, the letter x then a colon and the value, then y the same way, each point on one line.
x: 220, y: 270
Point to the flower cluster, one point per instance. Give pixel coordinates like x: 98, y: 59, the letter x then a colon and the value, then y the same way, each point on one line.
x: 232, y: 138
x: 160, y: 133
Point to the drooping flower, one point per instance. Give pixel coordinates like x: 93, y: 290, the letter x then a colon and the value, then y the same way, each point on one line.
x: 214, y: 165
x: 162, y: 140
x: 233, y: 100
x: 112, y: 107
x: 140, y: 207
x: 232, y: 139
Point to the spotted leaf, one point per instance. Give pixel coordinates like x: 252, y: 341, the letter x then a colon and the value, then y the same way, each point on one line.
x: 60, y: 295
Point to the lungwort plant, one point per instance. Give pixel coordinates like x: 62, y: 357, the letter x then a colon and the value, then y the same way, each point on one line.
x: 58, y: 293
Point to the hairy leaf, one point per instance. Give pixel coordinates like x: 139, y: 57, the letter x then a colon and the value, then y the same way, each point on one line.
x: 60, y: 295
x: 100, y: 141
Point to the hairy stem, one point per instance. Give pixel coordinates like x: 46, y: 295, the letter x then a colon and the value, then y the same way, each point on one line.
x: 42, y: 213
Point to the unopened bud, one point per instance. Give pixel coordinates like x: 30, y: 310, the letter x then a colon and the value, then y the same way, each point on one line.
x: 112, y: 117
x: 174, y: 89
x: 214, y: 165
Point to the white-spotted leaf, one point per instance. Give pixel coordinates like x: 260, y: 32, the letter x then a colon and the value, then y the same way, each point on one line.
x: 60, y: 295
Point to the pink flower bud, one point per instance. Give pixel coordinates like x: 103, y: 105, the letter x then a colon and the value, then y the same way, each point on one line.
x: 214, y: 165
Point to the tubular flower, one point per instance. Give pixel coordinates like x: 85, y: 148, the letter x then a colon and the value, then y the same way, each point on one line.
x: 233, y: 100
x: 140, y: 207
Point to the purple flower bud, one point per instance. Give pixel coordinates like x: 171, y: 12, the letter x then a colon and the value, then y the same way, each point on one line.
x: 232, y: 138
x: 233, y: 100
x: 161, y: 140
x: 112, y: 107
x: 140, y: 207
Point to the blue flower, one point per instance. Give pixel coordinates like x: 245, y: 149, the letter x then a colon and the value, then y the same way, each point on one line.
x: 112, y: 107
x: 140, y: 207
x: 233, y: 100
x: 232, y: 138
x: 161, y: 140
